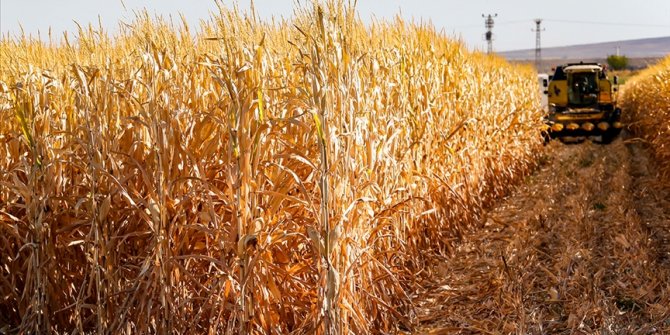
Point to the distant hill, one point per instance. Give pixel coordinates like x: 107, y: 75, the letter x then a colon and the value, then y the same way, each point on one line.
x: 642, y: 48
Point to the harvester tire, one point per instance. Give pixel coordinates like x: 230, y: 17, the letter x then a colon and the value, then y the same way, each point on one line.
x: 610, y: 135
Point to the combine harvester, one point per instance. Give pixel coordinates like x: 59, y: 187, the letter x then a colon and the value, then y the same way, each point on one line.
x: 582, y: 103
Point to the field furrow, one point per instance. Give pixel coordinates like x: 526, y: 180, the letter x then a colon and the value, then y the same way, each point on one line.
x: 581, y: 248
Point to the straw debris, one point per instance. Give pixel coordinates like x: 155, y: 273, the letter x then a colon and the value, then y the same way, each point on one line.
x: 577, y: 250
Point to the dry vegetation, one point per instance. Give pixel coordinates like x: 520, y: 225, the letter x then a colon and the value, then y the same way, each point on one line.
x: 582, y: 248
x: 647, y: 105
x: 292, y: 176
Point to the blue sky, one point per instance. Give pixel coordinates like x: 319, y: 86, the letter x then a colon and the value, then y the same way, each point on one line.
x: 566, y: 22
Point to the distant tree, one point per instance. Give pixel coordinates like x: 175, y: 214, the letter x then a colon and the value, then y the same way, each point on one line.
x: 617, y: 62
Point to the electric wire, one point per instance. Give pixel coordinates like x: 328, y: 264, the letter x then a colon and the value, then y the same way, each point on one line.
x: 603, y: 23
x: 626, y: 24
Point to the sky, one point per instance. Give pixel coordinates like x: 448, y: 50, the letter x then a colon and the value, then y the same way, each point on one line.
x: 565, y: 22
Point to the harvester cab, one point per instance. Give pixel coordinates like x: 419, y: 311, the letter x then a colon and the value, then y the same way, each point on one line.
x: 582, y: 103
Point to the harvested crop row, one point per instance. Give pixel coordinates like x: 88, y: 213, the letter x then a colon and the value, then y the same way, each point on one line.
x: 260, y: 177
x: 647, y: 104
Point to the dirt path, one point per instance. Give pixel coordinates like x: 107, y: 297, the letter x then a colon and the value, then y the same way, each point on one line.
x: 583, y: 247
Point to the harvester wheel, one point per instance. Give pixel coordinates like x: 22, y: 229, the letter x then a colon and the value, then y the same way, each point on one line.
x: 610, y: 135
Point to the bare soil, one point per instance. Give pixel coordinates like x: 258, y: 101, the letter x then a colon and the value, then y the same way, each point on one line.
x: 582, y: 248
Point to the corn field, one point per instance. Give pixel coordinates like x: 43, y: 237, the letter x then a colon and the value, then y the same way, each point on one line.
x: 284, y: 176
x: 647, y: 104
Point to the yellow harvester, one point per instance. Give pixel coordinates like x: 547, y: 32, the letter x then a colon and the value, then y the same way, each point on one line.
x: 582, y: 102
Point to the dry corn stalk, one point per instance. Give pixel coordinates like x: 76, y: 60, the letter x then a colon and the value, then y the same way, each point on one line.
x: 291, y: 176
x: 646, y: 103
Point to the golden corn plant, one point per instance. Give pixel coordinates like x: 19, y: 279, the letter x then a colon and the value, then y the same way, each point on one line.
x: 293, y: 176
x: 646, y: 105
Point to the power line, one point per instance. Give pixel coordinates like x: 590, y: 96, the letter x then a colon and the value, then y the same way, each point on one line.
x: 622, y: 24
x: 626, y: 24
x: 499, y: 23
x: 512, y: 22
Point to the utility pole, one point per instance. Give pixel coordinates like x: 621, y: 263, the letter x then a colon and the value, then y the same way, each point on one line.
x: 538, y: 48
x: 488, y: 23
